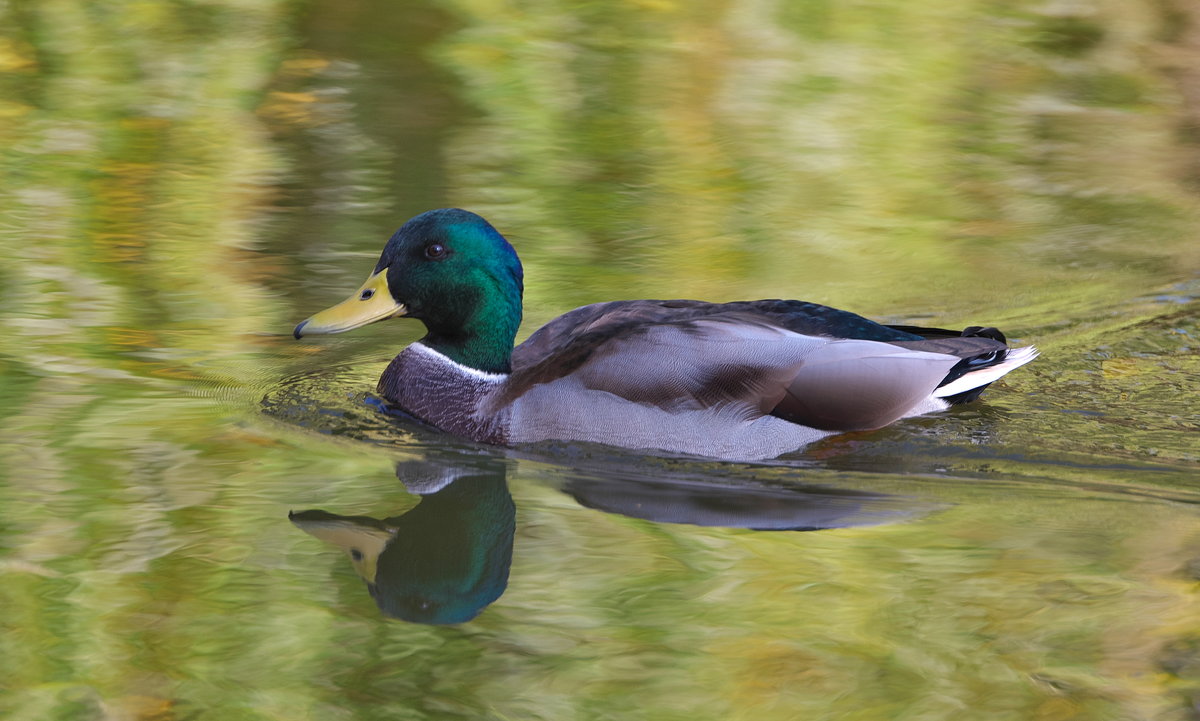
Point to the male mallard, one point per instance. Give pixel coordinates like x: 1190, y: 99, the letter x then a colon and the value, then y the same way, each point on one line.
x: 745, y: 380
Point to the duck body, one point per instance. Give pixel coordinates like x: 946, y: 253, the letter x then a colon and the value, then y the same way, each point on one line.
x: 743, y: 380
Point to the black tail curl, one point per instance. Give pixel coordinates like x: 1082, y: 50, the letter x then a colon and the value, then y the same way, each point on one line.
x: 967, y: 364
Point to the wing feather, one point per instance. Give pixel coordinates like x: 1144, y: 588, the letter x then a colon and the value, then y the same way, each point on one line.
x: 860, y: 385
x: 747, y: 367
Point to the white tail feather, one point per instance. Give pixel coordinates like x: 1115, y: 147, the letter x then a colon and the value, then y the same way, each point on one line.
x: 1016, y: 358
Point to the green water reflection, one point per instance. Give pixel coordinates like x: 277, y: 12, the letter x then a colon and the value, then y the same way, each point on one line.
x: 185, y: 181
x: 444, y: 560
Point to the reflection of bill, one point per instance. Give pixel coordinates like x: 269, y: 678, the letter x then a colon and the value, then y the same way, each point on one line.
x: 443, y: 561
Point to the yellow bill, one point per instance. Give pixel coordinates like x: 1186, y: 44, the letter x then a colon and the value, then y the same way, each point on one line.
x: 371, y: 302
x: 363, y: 539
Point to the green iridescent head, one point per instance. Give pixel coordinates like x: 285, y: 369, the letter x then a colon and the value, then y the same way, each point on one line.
x: 455, y: 273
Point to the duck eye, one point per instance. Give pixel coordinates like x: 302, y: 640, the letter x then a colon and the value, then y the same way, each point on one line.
x: 435, y: 251
x: 366, y: 294
x: 356, y: 554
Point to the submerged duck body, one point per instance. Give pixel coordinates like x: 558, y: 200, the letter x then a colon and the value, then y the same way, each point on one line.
x: 745, y: 380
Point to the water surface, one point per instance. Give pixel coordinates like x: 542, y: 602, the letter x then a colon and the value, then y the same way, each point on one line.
x: 185, y: 182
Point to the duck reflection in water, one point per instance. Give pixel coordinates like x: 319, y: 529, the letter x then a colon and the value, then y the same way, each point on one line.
x: 446, y: 559
x: 443, y: 561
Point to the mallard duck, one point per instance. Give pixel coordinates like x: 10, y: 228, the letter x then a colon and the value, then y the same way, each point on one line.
x: 744, y: 380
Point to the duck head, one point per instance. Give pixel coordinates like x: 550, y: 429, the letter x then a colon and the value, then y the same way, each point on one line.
x: 455, y: 273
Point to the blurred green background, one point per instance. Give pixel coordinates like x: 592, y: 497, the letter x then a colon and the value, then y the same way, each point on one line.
x: 184, y: 180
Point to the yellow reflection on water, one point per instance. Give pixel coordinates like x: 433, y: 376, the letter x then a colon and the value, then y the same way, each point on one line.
x: 183, y: 182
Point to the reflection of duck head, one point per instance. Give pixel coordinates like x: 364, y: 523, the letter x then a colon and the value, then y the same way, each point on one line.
x: 441, y: 562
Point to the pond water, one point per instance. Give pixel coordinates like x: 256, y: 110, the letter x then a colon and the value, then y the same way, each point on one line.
x: 183, y: 182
